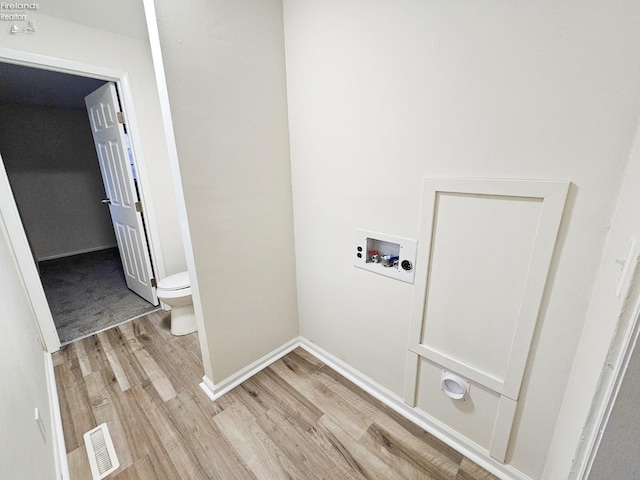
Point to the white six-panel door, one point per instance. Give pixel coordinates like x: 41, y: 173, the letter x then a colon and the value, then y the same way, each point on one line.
x: 110, y: 143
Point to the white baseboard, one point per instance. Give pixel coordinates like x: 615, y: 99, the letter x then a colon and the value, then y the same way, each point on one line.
x: 439, y: 430
x: 207, y: 387
x: 215, y: 391
x: 76, y: 252
x: 431, y: 425
x: 57, y: 434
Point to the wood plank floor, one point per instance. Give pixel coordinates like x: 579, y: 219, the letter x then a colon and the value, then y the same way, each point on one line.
x: 297, y: 419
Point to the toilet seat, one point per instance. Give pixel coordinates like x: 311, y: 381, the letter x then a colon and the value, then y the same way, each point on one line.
x: 178, y: 281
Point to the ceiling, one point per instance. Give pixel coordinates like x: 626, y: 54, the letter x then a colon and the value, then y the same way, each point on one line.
x: 124, y: 17
x: 28, y: 85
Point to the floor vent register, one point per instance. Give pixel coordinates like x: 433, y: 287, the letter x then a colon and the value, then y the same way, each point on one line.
x: 101, y: 453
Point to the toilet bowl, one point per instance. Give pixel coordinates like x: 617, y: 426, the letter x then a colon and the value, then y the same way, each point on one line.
x: 175, y: 291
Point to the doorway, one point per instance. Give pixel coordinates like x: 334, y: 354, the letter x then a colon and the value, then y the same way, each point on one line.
x: 51, y: 164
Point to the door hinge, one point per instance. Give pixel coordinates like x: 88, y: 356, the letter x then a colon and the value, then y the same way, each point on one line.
x: 138, y: 206
x: 153, y: 282
x: 120, y: 117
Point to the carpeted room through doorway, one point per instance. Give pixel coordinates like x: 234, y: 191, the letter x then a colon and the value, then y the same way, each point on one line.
x: 87, y: 293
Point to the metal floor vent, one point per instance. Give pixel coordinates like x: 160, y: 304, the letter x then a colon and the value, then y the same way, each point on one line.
x: 101, y: 453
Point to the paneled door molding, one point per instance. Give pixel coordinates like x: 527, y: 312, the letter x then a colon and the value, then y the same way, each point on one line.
x: 484, y: 252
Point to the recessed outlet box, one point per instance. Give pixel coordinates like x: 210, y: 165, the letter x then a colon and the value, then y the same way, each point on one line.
x: 387, y: 255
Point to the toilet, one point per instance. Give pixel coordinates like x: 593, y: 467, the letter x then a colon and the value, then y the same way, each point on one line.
x: 175, y: 291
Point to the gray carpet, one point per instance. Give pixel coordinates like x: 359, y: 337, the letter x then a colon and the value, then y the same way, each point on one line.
x: 87, y: 293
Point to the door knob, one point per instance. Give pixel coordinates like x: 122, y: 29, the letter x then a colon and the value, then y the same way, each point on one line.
x: 106, y: 201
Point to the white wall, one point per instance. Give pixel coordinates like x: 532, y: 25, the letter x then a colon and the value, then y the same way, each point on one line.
x: 601, y: 343
x: 51, y: 162
x: 72, y: 41
x: 224, y: 62
x: 24, y: 453
x: 383, y: 94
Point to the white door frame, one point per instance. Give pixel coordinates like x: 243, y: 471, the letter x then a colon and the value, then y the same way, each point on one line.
x: 624, y: 343
x: 9, y: 210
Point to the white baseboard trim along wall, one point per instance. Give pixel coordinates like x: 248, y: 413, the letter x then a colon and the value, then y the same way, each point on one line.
x: 215, y: 391
x: 76, y: 252
x: 57, y: 434
x: 390, y: 399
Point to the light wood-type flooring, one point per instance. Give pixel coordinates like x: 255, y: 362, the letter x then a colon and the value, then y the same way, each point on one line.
x: 296, y: 419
